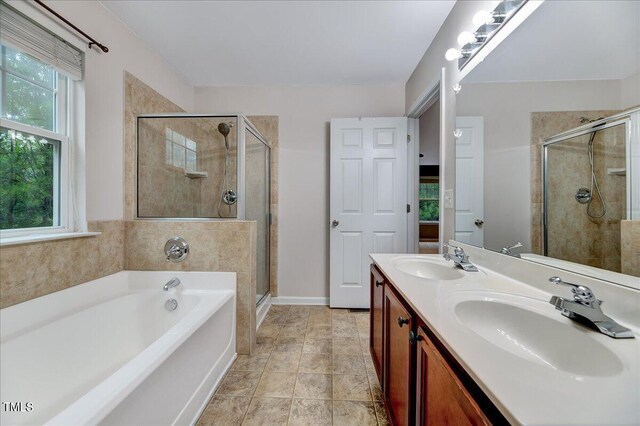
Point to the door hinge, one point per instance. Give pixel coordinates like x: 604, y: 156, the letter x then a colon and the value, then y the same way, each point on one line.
x: 408, y: 208
x: 408, y: 138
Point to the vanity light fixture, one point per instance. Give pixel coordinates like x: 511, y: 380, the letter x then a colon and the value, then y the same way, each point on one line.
x: 453, y: 54
x: 482, y: 17
x: 487, y: 24
x: 466, y: 37
x: 457, y: 133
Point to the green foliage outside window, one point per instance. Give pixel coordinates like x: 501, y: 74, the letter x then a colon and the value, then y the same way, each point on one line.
x: 26, y: 180
x: 27, y: 161
x: 429, y: 201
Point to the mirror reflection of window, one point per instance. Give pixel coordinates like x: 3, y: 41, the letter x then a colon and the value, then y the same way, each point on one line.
x: 429, y: 197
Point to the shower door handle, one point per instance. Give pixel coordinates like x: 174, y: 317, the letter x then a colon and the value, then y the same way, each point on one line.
x: 335, y: 223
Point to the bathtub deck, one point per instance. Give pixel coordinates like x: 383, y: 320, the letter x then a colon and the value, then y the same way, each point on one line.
x: 308, y: 369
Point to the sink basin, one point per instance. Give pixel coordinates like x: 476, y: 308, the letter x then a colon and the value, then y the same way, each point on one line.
x: 428, y: 269
x: 538, y: 338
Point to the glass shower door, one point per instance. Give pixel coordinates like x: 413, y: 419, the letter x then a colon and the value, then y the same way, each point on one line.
x: 257, y: 204
x: 586, y: 197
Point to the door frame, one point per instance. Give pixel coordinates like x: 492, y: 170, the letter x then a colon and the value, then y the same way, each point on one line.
x: 431, y: 94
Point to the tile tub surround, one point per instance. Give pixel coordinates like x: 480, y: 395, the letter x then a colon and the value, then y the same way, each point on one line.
x: 305, y: 371
x: 32, y: 270
x: 630, y: 236
x: 227, y: 246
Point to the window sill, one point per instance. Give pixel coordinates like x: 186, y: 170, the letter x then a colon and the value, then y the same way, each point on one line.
x: 36, y: 238
x: 429, y: 222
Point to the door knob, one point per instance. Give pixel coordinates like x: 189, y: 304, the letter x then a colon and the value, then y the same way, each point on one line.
x: 335, y: 223
x: 479, y: 222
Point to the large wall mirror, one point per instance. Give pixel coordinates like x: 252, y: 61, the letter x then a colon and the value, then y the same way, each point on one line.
x: 548, y: 141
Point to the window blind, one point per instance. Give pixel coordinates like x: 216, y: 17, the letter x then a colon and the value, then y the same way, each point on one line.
x: 18, y: 31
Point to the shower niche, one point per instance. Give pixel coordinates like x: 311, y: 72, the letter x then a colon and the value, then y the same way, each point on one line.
x: 205, y: 167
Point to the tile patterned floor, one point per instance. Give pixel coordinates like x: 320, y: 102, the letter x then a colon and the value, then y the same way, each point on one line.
x: 311, y: 367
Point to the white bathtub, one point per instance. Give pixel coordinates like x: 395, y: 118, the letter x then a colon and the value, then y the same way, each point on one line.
x: 108, y: 351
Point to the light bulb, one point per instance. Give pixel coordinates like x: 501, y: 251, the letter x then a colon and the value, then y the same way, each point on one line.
x: 482, y: 17
x: 466, y: 37
x: 452, y: 54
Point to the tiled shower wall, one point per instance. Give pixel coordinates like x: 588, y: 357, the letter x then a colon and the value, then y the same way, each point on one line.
x: 32, y: 270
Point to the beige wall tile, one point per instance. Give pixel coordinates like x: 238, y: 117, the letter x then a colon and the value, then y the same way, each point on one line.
x: 33, y: 270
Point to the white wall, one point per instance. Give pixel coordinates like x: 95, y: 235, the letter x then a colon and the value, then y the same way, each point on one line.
x: 104, y: 90
x: 430, y: 136
x: 507, y: 108
x: 630, y: 91
x: 304, y: 113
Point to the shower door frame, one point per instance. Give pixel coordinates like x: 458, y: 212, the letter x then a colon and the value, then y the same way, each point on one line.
x: 631, y: 121
x: 248, y: 125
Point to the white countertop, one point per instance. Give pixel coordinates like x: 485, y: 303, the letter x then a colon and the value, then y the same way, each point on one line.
x: 576, y: 376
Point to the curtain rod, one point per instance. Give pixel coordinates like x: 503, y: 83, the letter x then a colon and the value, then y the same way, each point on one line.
x: 93, y: 41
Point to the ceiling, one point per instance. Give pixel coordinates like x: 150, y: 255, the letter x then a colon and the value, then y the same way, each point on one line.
x: 568, y: 40
x: 287, y: 42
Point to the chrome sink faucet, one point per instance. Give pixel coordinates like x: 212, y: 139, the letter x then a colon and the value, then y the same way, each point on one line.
x: 173, y: 282
x: 508, y: 250
x: 586, y: 308
x: 459, y: 258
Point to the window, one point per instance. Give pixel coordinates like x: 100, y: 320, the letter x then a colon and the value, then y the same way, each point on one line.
x: 181, y: 152
x: 34, y: 144
x: 429, y: 201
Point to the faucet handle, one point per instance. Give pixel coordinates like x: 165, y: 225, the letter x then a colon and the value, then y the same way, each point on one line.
x: 581, y: 293
x: 507, y: 250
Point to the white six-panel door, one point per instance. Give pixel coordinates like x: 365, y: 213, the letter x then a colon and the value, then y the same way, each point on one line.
x: 368, y: 199
x: 470, y: 181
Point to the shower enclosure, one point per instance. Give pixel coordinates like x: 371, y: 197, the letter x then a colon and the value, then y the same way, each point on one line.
x: 591, y: 181
x: 206, y: 167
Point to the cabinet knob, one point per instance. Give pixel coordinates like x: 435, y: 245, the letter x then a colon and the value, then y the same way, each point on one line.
x: 402, y: 321
x: 378, y: 283
x: 414, y: 337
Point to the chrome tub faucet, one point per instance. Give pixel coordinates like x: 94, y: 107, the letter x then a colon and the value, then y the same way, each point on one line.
x: 173, y: 282
x: 585, y: 307
x: 459, y: 258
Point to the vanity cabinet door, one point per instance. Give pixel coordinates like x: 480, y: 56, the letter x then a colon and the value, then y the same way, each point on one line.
x: 376, y: 320
x: 441, y: 399
x: 398, y: 359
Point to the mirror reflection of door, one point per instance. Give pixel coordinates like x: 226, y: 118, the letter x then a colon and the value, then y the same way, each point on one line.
x: 469, y: 220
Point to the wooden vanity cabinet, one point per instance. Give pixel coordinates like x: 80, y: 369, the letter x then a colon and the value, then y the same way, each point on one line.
x: 441, y: 398
x: 375, y: 323
x: 421, y: 382
x: 398, y: 359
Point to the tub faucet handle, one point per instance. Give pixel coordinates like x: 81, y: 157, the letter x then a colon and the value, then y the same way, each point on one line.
x: 176, y: 249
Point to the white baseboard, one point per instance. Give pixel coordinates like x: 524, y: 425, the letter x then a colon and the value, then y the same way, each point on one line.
x: 300, y: 301
x: 262, y: 309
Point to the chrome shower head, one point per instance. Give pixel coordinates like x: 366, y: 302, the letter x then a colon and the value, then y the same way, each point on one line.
x: 225, y: 128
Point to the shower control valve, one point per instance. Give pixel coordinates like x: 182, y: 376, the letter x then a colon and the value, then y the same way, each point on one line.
x: 176, y: 249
